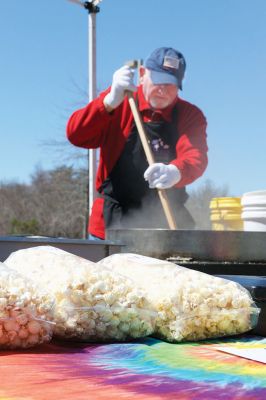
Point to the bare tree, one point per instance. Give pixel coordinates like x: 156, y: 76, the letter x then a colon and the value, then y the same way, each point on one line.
x: 54, y: 204
x: 199, y: 202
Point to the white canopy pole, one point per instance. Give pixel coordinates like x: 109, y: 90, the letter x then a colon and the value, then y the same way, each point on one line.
x: 93, y: 155
x: 92, y: 94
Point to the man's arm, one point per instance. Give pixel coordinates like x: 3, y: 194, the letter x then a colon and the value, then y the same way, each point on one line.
x: 191, y: 148
x: 87, y: 127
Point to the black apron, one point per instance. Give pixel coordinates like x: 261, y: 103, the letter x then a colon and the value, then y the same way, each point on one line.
x: 128, y: 200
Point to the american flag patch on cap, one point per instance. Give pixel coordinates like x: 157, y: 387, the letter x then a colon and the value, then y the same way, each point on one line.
x: 171, y: 62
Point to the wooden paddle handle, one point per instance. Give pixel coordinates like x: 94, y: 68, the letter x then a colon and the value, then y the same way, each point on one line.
x: 161, y: 192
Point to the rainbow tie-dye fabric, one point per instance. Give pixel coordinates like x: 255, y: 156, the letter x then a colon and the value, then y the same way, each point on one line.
x: 141, y: 370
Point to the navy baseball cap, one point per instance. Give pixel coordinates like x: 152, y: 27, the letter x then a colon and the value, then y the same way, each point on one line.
x: 167, y: 66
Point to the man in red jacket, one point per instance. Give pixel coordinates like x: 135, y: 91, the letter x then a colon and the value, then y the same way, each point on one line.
x: 176, y: 132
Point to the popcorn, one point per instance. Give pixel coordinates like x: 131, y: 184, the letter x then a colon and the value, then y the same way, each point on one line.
x: 23, y: 322
x: 91, y: 302
x: 190, y: 305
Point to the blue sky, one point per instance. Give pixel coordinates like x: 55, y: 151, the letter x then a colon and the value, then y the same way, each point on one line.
x: 44, y: 75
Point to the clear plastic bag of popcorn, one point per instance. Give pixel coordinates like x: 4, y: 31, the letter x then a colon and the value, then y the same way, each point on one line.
x: 92, y: 303
x: 25, y: 312
x: 108, y: 323
x: 191, y: 305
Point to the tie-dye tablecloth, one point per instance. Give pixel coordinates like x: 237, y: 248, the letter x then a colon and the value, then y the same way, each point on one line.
x: 142, y: 370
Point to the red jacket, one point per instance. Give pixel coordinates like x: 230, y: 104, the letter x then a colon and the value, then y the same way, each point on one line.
x: 92, y: 127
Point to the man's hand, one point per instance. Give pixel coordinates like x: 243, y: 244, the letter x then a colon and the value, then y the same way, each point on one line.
x: 162, y: 176
x: 123, y: 79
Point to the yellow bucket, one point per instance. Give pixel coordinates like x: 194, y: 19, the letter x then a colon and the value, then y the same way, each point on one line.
x: 225, y: 214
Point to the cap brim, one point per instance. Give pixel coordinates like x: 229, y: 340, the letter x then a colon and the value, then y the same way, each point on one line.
x: 162, y: 78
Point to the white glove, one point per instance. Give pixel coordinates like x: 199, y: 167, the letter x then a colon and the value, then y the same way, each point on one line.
x: 162, y: 176
x: 123, y: 79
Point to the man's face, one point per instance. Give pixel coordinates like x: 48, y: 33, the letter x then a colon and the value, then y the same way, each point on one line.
x: 158, y: 96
